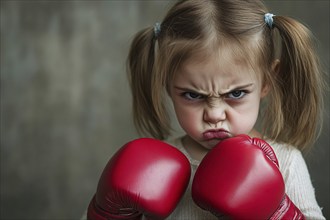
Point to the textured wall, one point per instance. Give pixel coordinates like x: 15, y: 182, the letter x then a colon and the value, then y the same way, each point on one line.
x: 65, y: 101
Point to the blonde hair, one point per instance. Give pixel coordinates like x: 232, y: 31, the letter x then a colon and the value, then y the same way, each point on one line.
x: 294, y: 103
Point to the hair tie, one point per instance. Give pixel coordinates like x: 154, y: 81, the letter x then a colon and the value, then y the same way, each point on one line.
x: 269, y: 19
x: 157, y: 29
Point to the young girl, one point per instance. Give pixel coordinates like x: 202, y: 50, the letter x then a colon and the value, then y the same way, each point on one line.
x: 224, y: 64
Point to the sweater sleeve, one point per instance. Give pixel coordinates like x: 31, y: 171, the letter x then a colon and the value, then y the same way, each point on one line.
x: 298, y: 183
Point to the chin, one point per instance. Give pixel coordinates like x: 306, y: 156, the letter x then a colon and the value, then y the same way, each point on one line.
x: 210, y: 144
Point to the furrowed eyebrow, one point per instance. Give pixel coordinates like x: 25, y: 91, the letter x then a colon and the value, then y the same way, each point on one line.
x: 190, y: 90
x: 241, y: 87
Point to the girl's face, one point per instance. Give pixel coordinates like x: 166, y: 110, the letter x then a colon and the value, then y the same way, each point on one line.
x: 216, y: 98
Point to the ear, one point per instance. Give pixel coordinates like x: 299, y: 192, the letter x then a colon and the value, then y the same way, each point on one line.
x: 275, y: 70
x: 276, y: 66
x: 265, y: 89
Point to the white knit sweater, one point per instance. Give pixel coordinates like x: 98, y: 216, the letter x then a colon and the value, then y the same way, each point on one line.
x: 295, y: 173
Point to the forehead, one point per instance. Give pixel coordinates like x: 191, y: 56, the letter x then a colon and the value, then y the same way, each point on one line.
x: 227, y: 57
x: 222, y: 52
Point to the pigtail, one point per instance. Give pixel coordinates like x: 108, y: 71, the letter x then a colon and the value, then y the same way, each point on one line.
x: 148, y: 111
x: 300, y: 84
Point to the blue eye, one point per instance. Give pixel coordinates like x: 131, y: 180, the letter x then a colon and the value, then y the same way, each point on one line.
x: 237, y: 94
x: 192, y: 95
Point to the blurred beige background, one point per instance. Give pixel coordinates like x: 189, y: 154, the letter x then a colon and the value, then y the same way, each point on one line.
x: 66, y: 104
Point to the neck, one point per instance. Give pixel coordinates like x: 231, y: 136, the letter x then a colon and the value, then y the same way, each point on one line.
x: 194, y: 149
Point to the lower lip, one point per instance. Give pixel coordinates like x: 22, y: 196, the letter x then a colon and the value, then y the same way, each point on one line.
x: 209, y: 135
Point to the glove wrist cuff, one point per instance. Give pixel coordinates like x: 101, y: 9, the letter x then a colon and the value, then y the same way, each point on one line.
x: 287, y: 210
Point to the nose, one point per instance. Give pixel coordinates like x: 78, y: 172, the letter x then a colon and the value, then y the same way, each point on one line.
x: 214, y: 114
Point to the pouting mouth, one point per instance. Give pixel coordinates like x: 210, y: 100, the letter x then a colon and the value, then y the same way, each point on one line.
x: 216, y: 134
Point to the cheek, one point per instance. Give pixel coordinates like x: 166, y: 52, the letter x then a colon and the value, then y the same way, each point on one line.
x: 243, y: 121
x: 187, y: 118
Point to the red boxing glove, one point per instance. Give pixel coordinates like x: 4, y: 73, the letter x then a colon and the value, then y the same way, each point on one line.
x: 145, y: 177
x: 239, y: 178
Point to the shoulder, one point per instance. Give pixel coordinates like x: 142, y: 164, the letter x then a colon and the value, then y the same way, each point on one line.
x: 284, y: 152
x: 283, y: 147
x: 289, y: 157
x: 298, y: 184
